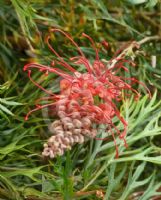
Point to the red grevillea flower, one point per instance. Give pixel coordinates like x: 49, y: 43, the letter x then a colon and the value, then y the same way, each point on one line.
x: 86, y: 100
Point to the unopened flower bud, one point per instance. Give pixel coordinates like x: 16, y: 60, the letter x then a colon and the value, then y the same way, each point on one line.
x: 71, y: 140
x: 58, y: 128
x: 59, y: 138
x: 77, y: 131
x: 75, y: 115
x: 51, y: 154
x: 68, y: 133
x: 45, y: 145
x: 51, y: 139
x: 86, y: 132
x: 77, y: 123
x: 60, y: 152
x: 53, y: 125
x: 66, y: 120
x: 61, y: 108
x: 66, y: 140
x: 68, y: 126
x: 62, y: 101
x: 59, y: 132
x: 81, y: 139
x: 63, y: 146
x: 86, y: 122
x: 76, y: 138
x: 55, y: 144
x: 61, y: 114
x: 46, y: 152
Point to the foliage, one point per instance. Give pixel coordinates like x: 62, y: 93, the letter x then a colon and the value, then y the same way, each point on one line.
x: 89, y: 171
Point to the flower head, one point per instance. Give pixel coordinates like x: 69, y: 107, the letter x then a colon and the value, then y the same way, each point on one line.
x: 85, y: 99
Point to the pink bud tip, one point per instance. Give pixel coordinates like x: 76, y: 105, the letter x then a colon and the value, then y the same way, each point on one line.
x: 29, y: 72
x: 37, y: 105
x: 105, y: 44
x: 46, y: 73
x: 53, y: 63
x: 117, y: 155
x: 125, y: 144
x: 26, y: 118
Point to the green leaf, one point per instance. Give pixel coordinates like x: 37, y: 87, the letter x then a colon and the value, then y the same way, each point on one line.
x: 6, y: 110
x: 151, y: 191
x: 10, y: 103
x: 25, y: 172
x: 135, y: 2
x: 28, y: 192
x: 100, y: 4
x: 133, y: 180
x: 152, y: 3
x: 4, y: 116
x: 113, y: 183
x: 10, y: 189
x: 5, y: 86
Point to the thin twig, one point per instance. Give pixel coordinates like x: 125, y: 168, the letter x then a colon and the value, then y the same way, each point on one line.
x: 133, y: 45
x: 150, y: 38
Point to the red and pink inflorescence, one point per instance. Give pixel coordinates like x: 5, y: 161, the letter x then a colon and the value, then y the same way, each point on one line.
x: 85, y: 101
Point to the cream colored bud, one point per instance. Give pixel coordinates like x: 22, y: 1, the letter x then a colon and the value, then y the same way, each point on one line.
x: 68, y: 133
x: 53, y: 125
x: 63, y: 101
x: 45, y: 145
x: 51, y: 139
x: 81, y: 139
x: 86, y: 122
x: 66, y: 140
x: 61, y: 108
x: 86, y: 132
x: 75, y: 115
x: 58, y: 128
x: 76, y: 138
x: 61, y: 114
x: 56, y: 123
x: 60, y: 152
x: 59, y: 138
x: 71, y: 140
x: 77, y: 123
x: 77, y: 131
x: 68, y: 126
x: 63, y: 146
x: 66, y: 120
x: 51, y: 154
x: 56, y: 144
x: 46, y: 152
x: 59, y: 132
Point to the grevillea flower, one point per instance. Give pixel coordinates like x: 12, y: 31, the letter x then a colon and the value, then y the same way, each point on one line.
x: 86, y: 100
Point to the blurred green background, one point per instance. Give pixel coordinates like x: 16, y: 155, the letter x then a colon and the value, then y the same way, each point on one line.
x: 88, y: 171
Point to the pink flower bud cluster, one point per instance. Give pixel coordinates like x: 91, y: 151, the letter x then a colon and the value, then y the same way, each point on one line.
x: 70, y: 129
x: 86, y: 100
